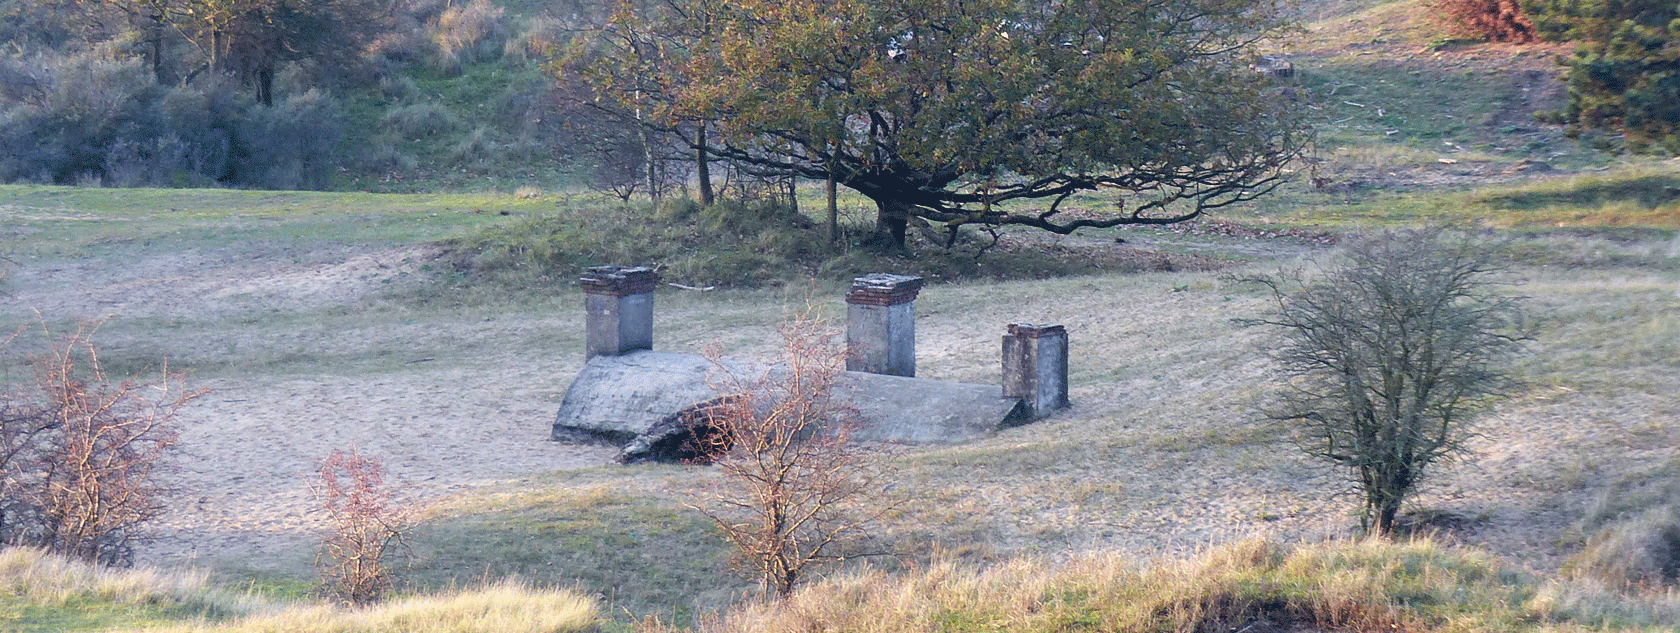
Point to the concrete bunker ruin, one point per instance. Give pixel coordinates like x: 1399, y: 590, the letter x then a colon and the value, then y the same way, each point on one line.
x: 651, y: 404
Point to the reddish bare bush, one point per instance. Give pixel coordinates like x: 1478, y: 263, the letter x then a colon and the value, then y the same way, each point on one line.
x: 81, y: 455
x: 1496, y: 20
x: 794, y: 487
x: 368, y: 527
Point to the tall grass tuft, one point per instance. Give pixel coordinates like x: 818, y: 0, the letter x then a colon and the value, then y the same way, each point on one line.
x: 48, y: 580
x: 1642, y: 550
x: 506, y: 607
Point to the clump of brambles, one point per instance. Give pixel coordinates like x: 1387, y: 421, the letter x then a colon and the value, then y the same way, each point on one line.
x: 81, y: 455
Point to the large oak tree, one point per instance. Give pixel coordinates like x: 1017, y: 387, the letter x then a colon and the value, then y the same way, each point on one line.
x: 958, y: 111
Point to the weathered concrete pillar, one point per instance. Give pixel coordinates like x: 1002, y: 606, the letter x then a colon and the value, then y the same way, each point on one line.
x: 1035, y: 366
x: 619, y: 301
x: 881, y: 324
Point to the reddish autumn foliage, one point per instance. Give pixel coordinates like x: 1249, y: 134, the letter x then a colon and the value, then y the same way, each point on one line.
x: 368, y: 524
x: 1496, y: 20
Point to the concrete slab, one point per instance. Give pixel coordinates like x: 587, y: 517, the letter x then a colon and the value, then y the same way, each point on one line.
x: 637, y: 401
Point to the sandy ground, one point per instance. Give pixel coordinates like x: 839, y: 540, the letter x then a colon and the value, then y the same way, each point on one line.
x: 252, y: 445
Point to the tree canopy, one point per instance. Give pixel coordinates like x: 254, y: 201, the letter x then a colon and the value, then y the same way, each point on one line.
x: 949, y: 111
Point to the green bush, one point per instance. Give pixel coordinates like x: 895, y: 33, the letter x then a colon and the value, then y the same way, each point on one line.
x: 1625, y: 75
x: 91, y: 117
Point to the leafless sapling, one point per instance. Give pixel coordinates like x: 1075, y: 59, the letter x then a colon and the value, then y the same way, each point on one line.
x: 367, y: 527
x: 794, y: 486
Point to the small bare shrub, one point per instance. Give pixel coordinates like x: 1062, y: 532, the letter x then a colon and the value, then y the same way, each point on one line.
x: 1496, y: 20
x: 1390, y: 356
x: 81, y: 454
x: 792, y: 480
x: 368, y: 527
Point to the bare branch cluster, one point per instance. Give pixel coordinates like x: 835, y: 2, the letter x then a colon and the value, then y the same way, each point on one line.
x: 1391, y: 356
x: 368, y: 527
x: 794, y: 487
x: 81, y: 455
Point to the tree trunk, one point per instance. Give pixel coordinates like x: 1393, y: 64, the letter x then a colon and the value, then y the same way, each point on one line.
x: 702, y: 166
x: 154, y: 36
x: 793, y: 194
x: 264, y: 81
x: 652, y: 177
x: 891, y: 219
x: 833, y: 209
x: 1385, y: 519
x: 648, y: 167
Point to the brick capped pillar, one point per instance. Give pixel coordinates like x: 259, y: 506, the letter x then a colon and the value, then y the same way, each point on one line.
x: 881, y: 324
x: 619, y: 301
x: 1035, y: 366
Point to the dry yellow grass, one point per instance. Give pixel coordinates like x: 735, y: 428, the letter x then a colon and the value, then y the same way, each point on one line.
x: 506, y: 607
x: 31, y: 579
x: 1417, y: 585
x: 49, y: 580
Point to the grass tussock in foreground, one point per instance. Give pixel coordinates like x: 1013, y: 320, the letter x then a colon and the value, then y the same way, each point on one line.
x: 1412, y: 586
x: 506, y: 607
x: 43, y: 592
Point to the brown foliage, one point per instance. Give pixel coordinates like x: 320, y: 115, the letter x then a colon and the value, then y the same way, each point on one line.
x: 792, y: 480
x: 80, y: 454
x: 1496, y: 20
x: 368, y: 527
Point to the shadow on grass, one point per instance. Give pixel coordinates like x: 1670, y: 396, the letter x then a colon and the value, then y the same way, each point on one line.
x: 1649, y: 191
x: 640, y: 555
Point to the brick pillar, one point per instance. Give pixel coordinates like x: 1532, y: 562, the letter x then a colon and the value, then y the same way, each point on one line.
x: 881, y: 324
x: 619, y: 301
x: 1035, y: 366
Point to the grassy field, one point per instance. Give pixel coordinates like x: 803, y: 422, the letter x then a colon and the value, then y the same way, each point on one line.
x: 1160, y: 459
x: 441, y: 330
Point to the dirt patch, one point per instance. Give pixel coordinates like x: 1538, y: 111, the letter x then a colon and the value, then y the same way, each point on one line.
x: 214, y: 283
x: 251, y: 445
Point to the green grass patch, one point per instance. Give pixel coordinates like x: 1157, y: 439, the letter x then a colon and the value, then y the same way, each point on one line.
x: 19, y: 615
x: 1642, y: 202
x: 75, y: 222
x: 641, y: 554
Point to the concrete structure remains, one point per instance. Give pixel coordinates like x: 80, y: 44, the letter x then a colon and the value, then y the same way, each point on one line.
x: 881, y: 324
x: 649, y: 403
x: 1035, y: 366
x: 619, y: 302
